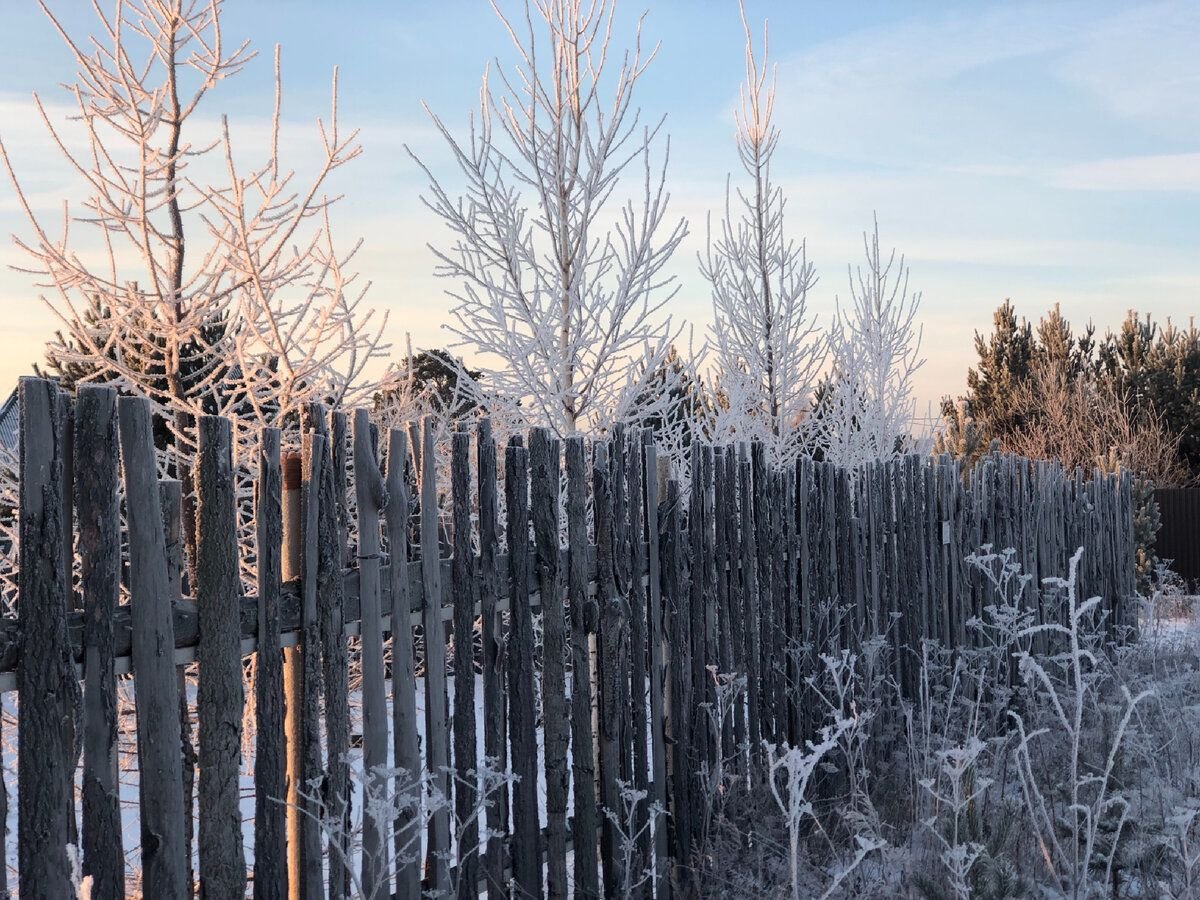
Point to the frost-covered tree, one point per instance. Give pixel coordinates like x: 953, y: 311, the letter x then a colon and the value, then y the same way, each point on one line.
x: 561, y: 236
x: 868, y: 410
x: 187, y: 277
x: 767, y: 348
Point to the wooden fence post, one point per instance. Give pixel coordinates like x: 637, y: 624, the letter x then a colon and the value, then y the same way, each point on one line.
x: 156, y: 689
x: 463, y: 598
x: 526, y: 848
x: 495, y: 740
x: 371, y: 500
x: 404, y: 698
x: 220, y: 697
x: 311, y: 884
x: 655, y: 637
x: 436, y: 738
x: 292, y: 570
x: 585, y: 824
x: 46, y: 676
x: 98, y: 508
x: 170, y: 494
x: 270, y: 785
x: 544, y: 485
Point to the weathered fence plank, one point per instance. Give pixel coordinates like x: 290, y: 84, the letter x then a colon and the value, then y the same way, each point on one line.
x: 156, y: 689
x: 465, y: 764
x: 370, y: 499
x: 219, y: 698
x: 585, y: 824
x: 47, y: 680
x: 98, y: 510
x: 544, y: 453
x: 495, y: 729
x: 522, y: 713
x: 170, y: 495
x: 311, y: 883
x: 406, y: 752
x: 270, y: 785
x: 437, y: 738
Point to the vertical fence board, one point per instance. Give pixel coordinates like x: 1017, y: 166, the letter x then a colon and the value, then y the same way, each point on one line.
x: 311, y: 885
x: 463, y: 599
x: 584, y: 824
x: 292, y: 569
x: 156, y: 690
x: 219, y: 698
x: 370, y: 500
x: 406, y: 752
x: 654, y: 635
x: 495, y: 729
x: 437, y: 748
x: 544, y: 486
x: 46, y: 677
x: 526, y: 848
x: 170, y: 493
x: 270, y: 786
x: 98, y: 510
x: 634, y: 450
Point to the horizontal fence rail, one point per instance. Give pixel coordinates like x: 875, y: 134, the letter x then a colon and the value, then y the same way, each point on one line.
x: 556, y: 610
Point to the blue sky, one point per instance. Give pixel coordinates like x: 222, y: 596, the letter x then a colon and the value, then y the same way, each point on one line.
x: 1048, y: 152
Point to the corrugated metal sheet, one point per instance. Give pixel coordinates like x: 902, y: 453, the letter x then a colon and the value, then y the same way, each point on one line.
x: 1179, y: 536
x: 10, y: 423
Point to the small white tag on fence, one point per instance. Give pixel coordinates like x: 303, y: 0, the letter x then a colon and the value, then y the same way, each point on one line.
x: 946, y: 531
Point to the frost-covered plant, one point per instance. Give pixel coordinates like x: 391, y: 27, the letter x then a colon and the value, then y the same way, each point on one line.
x: 719, y: 777
x: 1005, y: 628
x: 561, y: 278
x: 633, y: 822
x: 767, y: 348
x: 843, y: 687
x: 204, y: 286
x: 1066, y: 686
x: 867, y: 411
x: 402, y: 804
x: 955, y: 789
x: 1185, y: 842
x: 789, y: 771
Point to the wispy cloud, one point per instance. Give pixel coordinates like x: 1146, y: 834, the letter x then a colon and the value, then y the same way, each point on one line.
x: 1160, y: 172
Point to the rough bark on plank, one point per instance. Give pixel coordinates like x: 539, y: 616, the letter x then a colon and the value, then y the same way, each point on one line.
x: 655, y: 637
x: 156, y: 690
x: 170, y: 493
x: 522, y: 702
x: 312, y: 769
x: 495, y: 730
x: 47, y: 685
x: 544, y: 452
x: 584, y: 823
x: 220, y: 697
x: 465, y: 764
x: 406, y: 752
x: 98, y: 511
x: 437, y: 738
x: 370, y: 500
x: 335, y: 676
x: 270, y: 784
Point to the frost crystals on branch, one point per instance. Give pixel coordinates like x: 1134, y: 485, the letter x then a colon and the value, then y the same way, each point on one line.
x: 562, y: 274
x: 191, y: 280
x: 766, y: 344
x: 867, y: 411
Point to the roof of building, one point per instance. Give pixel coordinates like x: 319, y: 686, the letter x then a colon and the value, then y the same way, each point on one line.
x: 10, y: 423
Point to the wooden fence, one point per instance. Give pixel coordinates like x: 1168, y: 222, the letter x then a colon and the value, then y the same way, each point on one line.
x: 1178, y: 537
x: 644, y: 591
